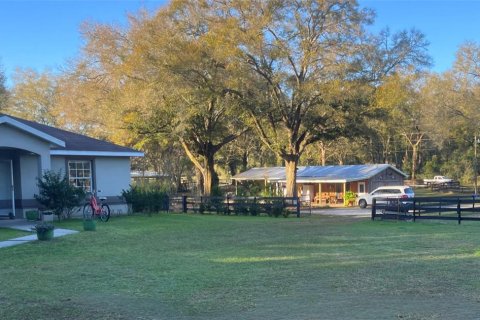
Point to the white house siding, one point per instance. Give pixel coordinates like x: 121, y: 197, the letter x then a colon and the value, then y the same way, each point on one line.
x: 58, y: 164
x: 29, y: 173
x: 112, y: 175
x: 15, y: 138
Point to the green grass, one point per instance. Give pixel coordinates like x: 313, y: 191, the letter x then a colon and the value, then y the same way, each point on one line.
x: 215, y: 267
x: 6, y: 234
x: 427, y: 192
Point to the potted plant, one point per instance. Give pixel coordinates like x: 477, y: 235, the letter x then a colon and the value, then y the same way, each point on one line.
x: 89, y: 224
x: 31, y: 215
x: 349, y: 199
x: 44, y: 231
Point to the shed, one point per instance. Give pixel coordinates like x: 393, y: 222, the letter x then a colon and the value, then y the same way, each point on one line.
x: 328, y: 184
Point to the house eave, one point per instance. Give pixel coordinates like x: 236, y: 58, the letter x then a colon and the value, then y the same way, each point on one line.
x: 320, y: 181
x: 14, y: 123
x: 96, y: 153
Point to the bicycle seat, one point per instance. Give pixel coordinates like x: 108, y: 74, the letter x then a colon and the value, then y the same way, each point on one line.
x: 102, y: 198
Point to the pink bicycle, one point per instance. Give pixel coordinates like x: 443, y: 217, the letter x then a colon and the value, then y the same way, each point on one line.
x: 92, y: 208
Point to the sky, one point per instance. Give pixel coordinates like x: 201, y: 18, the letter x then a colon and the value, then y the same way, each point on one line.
x: 44, y: 34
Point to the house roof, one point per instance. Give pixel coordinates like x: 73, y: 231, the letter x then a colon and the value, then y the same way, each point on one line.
x: 317, y: 174
x: 68, y: 143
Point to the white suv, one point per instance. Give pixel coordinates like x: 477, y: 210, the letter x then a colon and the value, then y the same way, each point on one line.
x: 396, y: 192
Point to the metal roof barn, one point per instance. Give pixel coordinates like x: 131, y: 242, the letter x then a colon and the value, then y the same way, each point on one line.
x: 318, y: 174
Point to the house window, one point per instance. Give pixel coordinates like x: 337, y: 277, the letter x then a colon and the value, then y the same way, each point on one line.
x: 361, y: 187
x: 80, y: 174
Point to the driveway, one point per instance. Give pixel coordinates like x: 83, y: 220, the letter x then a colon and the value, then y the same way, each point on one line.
x: 342, y: 211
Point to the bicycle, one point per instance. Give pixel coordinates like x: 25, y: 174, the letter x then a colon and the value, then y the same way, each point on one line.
x: 92, y: 208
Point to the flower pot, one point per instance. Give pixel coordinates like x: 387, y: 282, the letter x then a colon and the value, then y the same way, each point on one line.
x: 47, y: 216
x: 44, y: 235
x: 31, y: 215
x: 89, y: 225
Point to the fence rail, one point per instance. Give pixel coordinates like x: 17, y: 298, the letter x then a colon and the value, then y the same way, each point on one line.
x: 428, y: 208
x: 238, y: 205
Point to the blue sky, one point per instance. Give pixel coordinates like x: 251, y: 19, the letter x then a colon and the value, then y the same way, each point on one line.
x: 44, y: 34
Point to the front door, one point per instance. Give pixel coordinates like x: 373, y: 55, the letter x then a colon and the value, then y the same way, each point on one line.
x: 6, y: 188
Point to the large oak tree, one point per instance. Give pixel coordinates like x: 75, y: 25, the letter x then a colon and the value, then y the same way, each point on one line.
x: 314, y: 68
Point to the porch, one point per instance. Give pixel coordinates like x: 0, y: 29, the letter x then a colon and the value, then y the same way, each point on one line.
x: 329, y: 193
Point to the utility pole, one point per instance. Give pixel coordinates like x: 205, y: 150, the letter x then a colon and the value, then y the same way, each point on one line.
x: 475, y: 164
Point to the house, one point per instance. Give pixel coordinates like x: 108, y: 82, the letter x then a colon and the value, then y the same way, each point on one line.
x: 328, y: 184
x: 28, y: 148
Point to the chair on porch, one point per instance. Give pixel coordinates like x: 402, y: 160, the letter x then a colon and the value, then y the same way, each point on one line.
x: 332, y: 198
x: 325, y: 198
x: 317, y: 199
x: 339, y: 197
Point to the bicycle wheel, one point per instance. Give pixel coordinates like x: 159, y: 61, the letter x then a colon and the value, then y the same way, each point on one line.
x: 105, y: 214
x: 87, y: 211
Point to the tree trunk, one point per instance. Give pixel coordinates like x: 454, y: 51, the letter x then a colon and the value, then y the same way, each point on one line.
x: 244, y: 161
x: 291, y: 172
x: 414, y: 160
x: 323, y: 154
x: 208, y: 175
x: 199, y: 178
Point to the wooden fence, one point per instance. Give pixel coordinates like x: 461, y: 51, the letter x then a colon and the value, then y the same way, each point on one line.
x: 235, y: 205
x: 428, y: 208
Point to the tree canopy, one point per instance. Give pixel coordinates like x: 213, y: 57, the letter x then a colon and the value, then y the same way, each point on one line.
x: 232, y: 84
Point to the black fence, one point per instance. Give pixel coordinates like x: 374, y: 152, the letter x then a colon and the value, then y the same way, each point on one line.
x: 428, y: 208
x: 236, y: 205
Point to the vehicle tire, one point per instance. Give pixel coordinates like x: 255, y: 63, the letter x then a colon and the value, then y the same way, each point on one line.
x: 87, y: 211
x: 105, y: 214
x: 362, y: 203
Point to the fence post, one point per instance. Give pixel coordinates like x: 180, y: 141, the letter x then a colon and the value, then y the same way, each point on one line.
x: 374, y: 209
x: 414, y: 207
x: 459, y: 212
x: 298, y: 208
x: 228, y: 205
x: 184, y: 204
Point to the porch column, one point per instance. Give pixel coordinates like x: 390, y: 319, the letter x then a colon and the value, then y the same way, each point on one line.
x: 344, y: 191
x: 45, y: 162
x: 320, y: 193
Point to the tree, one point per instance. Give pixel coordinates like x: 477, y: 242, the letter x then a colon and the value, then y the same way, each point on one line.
x: 3, y: 89
x: 313, y: 67
x: 34, y: 96
x: 452, y: 112
x: 173, y: 81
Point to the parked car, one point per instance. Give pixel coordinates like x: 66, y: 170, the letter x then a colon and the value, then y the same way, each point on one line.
x: 437, y: 180
x: 394, y: 192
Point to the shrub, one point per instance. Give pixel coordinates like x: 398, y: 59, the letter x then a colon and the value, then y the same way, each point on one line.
x: 201, y: 208
x: 240, y: 207
x: 254, y: 209
x: 151, y: 198
x: 57, y: 194
x: 277, y: 208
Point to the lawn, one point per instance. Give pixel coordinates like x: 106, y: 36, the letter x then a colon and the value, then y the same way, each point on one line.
x: 171, y: 266
x: 6, y: 234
